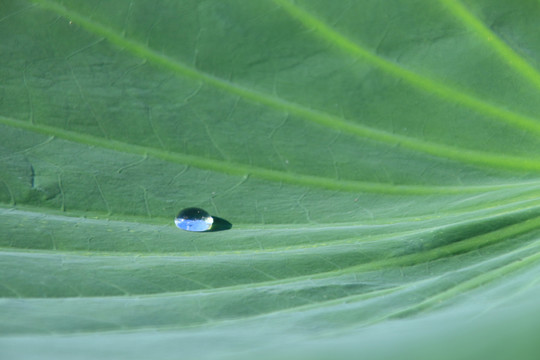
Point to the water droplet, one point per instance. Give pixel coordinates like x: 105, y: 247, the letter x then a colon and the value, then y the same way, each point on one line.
x: 194, y: 219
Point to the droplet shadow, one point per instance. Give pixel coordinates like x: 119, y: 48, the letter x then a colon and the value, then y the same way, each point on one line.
x: 219, y: 225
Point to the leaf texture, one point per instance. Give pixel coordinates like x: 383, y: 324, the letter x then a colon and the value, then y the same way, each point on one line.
x: 379, y: 163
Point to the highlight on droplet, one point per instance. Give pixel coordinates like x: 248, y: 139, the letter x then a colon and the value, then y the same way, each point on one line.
x: 194, y: 219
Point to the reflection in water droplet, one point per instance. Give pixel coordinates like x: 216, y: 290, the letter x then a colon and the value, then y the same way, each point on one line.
x: 194, y: 219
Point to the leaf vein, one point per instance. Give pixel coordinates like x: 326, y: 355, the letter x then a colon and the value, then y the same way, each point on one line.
x: 421, y: 82
x: 330, y: 121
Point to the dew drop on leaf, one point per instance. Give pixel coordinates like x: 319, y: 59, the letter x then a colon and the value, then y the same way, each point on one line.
x: 194, y: 219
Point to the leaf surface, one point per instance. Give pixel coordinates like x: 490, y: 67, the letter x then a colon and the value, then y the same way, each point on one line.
x: 378, y: 161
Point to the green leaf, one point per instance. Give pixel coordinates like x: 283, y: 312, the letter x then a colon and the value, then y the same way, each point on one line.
x: 378, y: 161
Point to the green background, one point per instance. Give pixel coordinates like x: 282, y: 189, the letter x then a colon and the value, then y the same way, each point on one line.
x: 379, y: 162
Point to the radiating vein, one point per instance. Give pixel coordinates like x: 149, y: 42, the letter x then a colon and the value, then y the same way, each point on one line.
x: 348, y: 235
x: 470, y: 284
x: 512, y: 58
x: 405, y: 259
x: 262, y: 173
x: 419, y: 81
x: 331, y: 121
x: 513, y: 264
x: 354, y: 238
